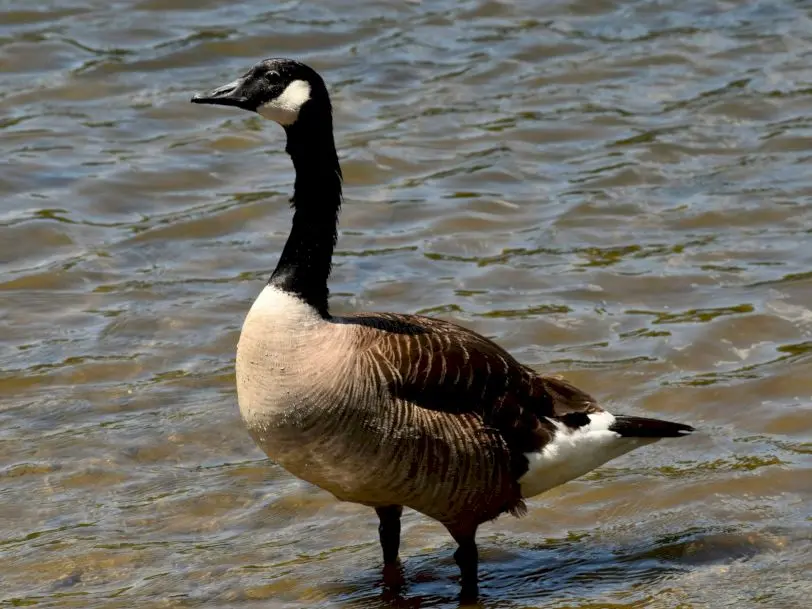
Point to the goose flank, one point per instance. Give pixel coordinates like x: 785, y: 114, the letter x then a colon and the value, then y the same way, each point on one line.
x: 394, y: 410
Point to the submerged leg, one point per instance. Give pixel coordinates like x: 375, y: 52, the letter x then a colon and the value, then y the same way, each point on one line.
x: 389, y: 531
x: 467, y: 559
x: 389, y: 534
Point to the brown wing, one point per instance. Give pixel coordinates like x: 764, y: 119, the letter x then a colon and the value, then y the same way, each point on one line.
x: 442, y: 366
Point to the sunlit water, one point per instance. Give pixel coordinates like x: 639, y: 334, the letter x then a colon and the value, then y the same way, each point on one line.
x: 616, y: 191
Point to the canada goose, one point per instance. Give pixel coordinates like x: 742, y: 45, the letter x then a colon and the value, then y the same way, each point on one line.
x: 392, y: 410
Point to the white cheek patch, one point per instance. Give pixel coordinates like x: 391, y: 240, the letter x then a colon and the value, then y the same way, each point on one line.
x: 284, y: 109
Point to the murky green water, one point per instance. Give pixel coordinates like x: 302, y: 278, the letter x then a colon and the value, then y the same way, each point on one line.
x: 615, y: 190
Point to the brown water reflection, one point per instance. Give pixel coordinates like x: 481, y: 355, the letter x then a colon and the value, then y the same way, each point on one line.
x: 615, y: 190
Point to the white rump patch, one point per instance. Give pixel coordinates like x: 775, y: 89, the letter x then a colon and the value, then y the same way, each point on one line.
x: 574, y: 452
x: 284, y: 109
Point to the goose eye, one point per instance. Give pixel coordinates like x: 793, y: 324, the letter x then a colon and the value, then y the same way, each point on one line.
x: 271, y: 76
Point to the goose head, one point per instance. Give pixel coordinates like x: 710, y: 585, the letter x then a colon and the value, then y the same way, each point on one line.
x: 282, y: 90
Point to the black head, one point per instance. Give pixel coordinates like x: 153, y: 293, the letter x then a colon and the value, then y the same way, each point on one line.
x: 277, y: 89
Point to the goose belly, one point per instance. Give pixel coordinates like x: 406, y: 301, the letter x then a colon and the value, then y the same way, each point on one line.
x: 310, y: 437
x: 309, y: 433
x: 317, y: 455
x: 369, y: 458
x: 376, y: 452
x: 294, y: 372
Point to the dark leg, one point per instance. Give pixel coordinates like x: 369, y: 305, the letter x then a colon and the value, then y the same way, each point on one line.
x: 389, y: 532
x: 467, y: 559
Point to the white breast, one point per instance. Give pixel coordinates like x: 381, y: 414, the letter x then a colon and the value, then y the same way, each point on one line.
x: 301, y: 392
x: 286, y: 312
x: 574, y: 452
x: 285, y: 353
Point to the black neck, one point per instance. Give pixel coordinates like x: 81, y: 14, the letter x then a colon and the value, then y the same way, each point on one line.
x: 305, y: 263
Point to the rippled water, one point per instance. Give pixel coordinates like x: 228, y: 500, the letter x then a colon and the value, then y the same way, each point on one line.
x: 615, y: 190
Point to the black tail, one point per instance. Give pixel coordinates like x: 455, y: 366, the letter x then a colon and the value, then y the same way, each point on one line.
x: 641, y: 427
